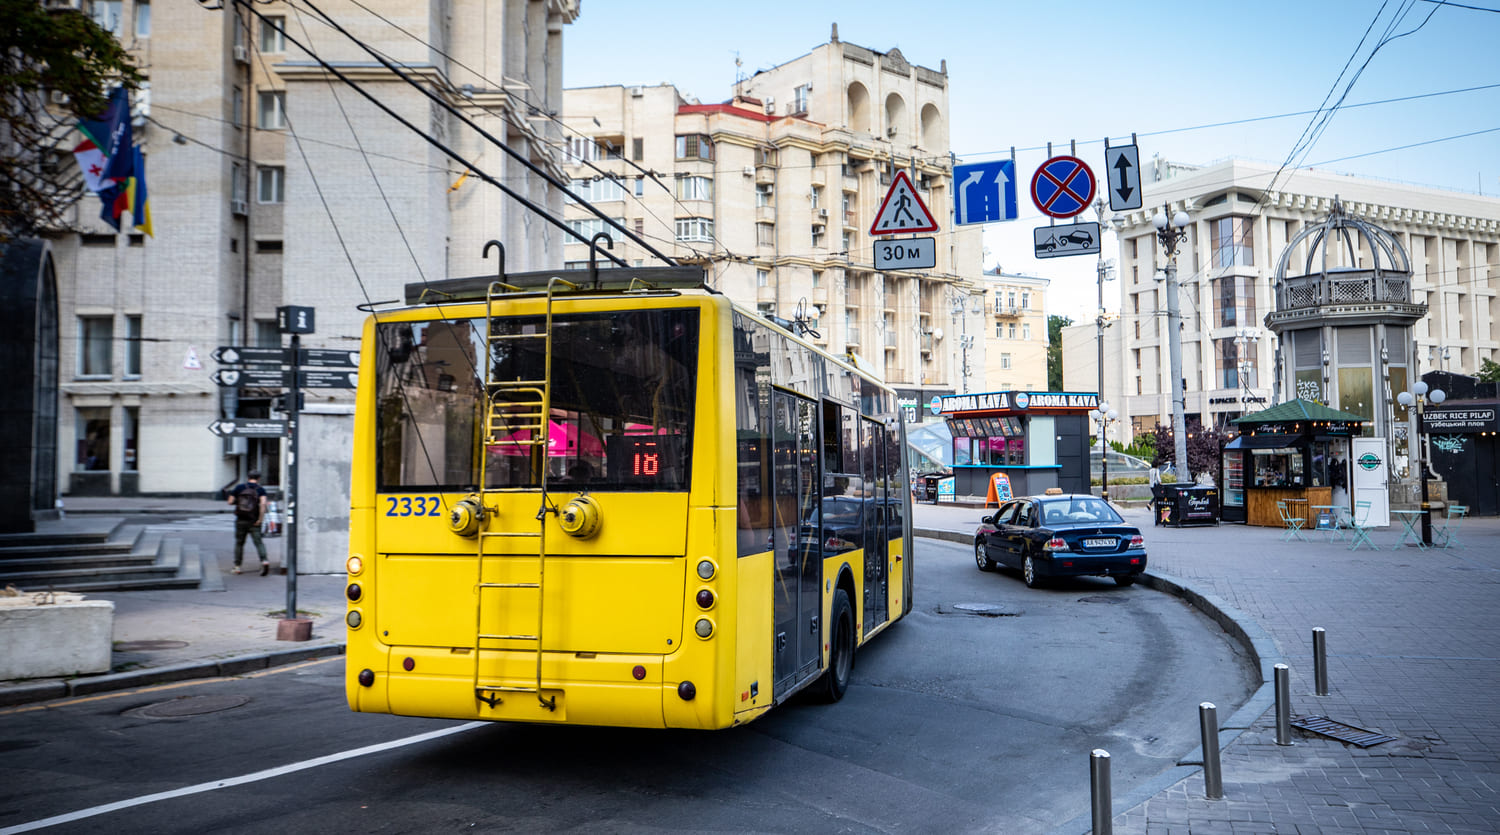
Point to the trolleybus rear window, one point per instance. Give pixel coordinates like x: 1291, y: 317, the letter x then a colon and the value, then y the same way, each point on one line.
x: 622, y: 392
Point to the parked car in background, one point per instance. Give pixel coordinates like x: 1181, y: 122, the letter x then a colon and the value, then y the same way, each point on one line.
x: 1060, y: 535
x: 1120, y: 464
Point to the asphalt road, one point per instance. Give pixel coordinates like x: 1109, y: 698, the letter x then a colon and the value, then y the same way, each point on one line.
x: 976, y: 713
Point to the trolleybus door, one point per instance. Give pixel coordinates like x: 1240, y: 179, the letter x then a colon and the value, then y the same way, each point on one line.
x: 798, y: 559
x: 872, y: 467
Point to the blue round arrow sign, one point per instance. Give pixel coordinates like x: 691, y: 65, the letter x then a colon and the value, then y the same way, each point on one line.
x: 1063, y: 186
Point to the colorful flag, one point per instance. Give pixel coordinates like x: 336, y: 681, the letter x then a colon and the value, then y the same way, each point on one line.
x: 140, y: 205
x: 114, y: 200
x: 91, y: 160
x: 111, y: 133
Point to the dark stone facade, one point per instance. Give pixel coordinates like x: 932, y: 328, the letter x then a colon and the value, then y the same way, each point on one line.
x: 28, y: 411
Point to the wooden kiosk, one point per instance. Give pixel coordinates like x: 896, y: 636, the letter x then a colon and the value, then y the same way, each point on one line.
x: 1296, y: 452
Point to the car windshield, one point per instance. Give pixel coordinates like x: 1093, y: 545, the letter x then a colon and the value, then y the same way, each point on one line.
x: 1078, y: 510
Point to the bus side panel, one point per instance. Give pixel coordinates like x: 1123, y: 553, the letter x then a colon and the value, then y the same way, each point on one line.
x: 896, y: 570
x: 364, y: 650
x: 753, y: 635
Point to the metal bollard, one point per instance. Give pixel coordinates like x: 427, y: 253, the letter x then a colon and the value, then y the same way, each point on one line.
x: 1213, y: 778
x: 1099, y: 791
x: 1283, y: 705
x: 1320, y: 661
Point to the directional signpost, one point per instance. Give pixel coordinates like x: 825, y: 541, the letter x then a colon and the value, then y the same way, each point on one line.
x: 984, y: 192
x: 316, y: 379
x: 1073, y: 239
x: 1122, y: 165
x: 248, y: 428
x: 252, y: 378
x: 325, y: 358
x: 240, y: 355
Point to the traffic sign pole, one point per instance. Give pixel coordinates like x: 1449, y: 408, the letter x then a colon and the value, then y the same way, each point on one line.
x: 293, y: 416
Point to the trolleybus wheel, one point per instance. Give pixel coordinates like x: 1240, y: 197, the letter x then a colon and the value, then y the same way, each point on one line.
x: 835, y: 680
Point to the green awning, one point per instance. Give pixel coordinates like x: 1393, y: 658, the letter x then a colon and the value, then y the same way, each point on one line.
x: 1295, y: 410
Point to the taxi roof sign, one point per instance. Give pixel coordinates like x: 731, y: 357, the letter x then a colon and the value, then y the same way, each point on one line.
x: 902, y: 210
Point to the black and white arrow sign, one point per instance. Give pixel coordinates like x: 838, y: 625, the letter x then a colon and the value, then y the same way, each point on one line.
x: 1123, y: 166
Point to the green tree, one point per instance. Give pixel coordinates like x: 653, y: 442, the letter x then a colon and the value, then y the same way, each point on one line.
x: 1055, y: 324
x: 45, y: 52
x: 1203, y: 448
x: 1489, y: 372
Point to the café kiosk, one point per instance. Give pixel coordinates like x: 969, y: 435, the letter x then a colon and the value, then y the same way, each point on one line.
x: 1295, y: 452
x: 1036, y: 439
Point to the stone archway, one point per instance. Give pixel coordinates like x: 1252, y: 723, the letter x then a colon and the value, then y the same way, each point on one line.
x: 28, y: 418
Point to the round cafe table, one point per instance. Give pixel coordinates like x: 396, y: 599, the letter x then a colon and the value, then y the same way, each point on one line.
x: 1409, y: 520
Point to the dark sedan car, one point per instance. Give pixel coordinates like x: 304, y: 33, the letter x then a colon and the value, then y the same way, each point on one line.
x: 1065, y: 535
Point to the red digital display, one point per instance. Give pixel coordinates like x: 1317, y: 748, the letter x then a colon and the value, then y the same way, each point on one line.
x: 647, y: 464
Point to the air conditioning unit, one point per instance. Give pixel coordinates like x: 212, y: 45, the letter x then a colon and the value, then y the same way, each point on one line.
x: 636, y: 92
x: 890, y: 131
x: 749, y: 171
x: 822, y: 213
x: 770, y: 105
x: 240, y: 207
x: 241, y: 55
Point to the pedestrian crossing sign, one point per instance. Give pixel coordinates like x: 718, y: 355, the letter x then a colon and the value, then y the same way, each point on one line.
x: 902, y: 210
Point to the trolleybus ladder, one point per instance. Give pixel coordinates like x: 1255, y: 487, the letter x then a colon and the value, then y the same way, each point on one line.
x: 517, y: 415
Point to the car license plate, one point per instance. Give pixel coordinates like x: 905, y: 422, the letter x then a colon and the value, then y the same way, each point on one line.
x: 1101, y: 542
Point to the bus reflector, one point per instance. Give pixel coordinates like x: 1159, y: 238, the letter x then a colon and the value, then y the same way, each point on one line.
x: 639, y: 672
x: 705, y: 599
x: 366, y: 677
x: 408, y: 663
x: 353, y: 591
x: 687, y: 691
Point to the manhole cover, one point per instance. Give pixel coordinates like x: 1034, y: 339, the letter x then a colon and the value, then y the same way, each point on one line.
x: 988, y: 610
x: 188, y: 706
x: 148, y: 646
x: 1101, y: 598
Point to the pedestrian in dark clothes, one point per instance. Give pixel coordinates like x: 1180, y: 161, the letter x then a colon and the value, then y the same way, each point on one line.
x: 249, y: 503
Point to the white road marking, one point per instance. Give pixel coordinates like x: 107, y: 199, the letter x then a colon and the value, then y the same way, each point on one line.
x: 237, y: 781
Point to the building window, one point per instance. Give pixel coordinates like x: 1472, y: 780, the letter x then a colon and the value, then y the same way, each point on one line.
x: 1135, y: 274
x: 846, y: 242
x: 1025, y: 300
x: 1010, y: 299
x: 765, y: 155
x: 272, y: 109
x: 695, y: 188
x: 595, y: 191
x: 96, y: 336
x: 999, y: 330
x: 1235, y: 301
x: 1233, y: 242
x: 695, y: 146
x: 638, y: 149
x: 765, y: 234
x: 132, y: 431
x: 851, y: 326
x: 762, y: 278
x: 107, y: 14
x: 133, y: 346
x: 92, y: 432
x: 1005, y: 362
x: 762, y: 195
x: 640, y: 226
x: 267, y: 335
x: 271, y: 183
x: 272, y: 34
x: 266, y: 247
x: 237, y: 105
x: 142, y: 18
x: 1012, y: 330
x: 695, y: 229
x: 584, y: 149
x: 799, y: 98
x: 1026, y: 331
x: 817, y: 236
x: 589, y: 227
x: 817, y: 197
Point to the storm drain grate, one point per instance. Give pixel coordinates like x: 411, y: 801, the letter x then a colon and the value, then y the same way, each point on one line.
x: 1340, y: 731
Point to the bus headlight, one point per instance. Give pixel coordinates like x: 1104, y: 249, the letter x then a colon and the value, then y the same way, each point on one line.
x: 354, y: 564
x: 466, y: 516
x: 706, y: 569
x: 579, y: 517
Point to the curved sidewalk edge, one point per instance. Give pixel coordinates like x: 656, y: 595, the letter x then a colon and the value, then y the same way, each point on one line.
x: 1239, y: 625
x: 25, y: 692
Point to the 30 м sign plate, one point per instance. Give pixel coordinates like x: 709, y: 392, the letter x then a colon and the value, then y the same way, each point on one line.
x: 906, y: 254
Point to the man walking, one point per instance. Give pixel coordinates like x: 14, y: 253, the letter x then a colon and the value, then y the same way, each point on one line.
x: 249, y: 502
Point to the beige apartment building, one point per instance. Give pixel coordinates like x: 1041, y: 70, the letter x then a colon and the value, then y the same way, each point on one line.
x: 775, y: 190
x: 1225, y: 268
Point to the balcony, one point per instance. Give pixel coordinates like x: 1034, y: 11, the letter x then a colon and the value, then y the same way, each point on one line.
x: 851, y: 220
x: 927, y: 343
x: 890, y: 339
x: 765, y: 175
x: 851, y: 336
x: 1008, y: 311
x: 765, y: 214
x: 819, y: 177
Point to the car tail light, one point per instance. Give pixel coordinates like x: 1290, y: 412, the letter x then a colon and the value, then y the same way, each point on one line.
x: 1057, y: 543
x: 1137, y: 541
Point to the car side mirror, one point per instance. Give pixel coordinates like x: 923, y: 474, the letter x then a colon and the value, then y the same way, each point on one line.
x: 987, y: 520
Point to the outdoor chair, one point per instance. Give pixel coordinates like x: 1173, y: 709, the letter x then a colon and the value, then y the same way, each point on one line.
x: 1359, y: 530
x: 1293, y: 523
x: 1448, y: 532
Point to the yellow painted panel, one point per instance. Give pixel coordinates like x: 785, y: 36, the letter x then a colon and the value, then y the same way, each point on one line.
x: 631, y: 523
x: 753, y: 630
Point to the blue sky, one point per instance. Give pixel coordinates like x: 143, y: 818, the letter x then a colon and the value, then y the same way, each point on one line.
x: 1025, y: 74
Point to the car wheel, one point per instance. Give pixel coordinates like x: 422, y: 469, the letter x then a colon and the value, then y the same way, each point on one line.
x: 1028, y: 571
x: 980, y: 559
x: 1125, y: 579
x: 835, y: 680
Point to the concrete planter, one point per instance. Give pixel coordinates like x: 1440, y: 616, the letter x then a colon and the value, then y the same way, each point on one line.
x: 51, y: 634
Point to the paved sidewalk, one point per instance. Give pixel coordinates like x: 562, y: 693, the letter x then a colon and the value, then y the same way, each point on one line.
x: 1413, y: 640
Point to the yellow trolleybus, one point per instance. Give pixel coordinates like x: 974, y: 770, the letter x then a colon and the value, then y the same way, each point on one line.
x: 614, y: 498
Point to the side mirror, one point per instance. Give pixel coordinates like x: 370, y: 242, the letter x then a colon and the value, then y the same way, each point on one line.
x: 987, y: 520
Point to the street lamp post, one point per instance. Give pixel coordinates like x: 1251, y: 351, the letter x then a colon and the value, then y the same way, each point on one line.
x: 1105, y: 415
x: 1170, y: 234
x: 1419, y: 395
x: 1245, y: 341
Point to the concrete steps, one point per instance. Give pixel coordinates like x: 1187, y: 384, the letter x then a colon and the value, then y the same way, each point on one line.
x: 105, y: 557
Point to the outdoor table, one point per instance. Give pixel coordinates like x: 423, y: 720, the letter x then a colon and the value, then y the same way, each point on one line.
x: 1337, y: 512
x: 1409, y: 520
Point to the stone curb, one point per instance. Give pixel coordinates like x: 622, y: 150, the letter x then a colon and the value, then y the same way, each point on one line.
x: 232, y: 666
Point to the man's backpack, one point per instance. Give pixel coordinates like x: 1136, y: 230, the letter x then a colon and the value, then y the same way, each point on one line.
x: 247, y: 502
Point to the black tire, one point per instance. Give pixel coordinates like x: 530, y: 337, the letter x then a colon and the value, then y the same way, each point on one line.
x: 980, y: 558
x: 1126, y: 579
x: 1028, y: 573
x: 830, y: 688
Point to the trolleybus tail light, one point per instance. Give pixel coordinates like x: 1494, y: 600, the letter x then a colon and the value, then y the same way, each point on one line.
x: 704, y: 627
x: 687, y: 691
x: 408, y: 663
x: 353, y: 592
x: 705, y: 599
x: 1138, y: 541
x: 706, y: 569
x: 638, y: 672
x: 366, y: 677
x: 354, y: 564
x: 354, y: 619
x: 1057, y: 543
